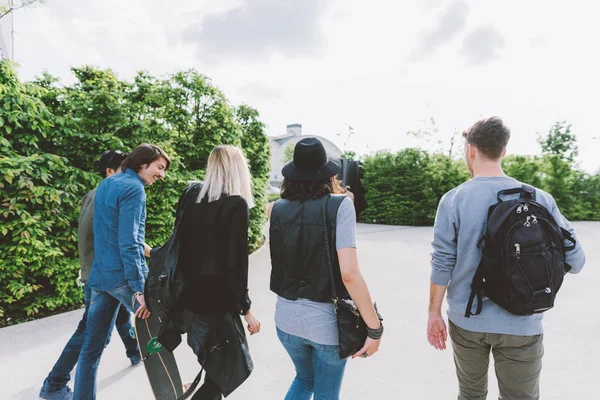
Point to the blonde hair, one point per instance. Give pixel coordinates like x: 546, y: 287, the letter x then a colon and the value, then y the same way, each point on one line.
x: 227, y: 173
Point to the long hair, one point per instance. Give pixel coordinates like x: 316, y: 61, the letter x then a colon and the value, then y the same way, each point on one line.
x: 227, y: 173
x: 296, y: 190
x: 144, y: 154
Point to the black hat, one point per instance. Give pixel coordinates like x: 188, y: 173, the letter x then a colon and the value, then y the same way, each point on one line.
x: 311, y: 162
x: 111, y: 159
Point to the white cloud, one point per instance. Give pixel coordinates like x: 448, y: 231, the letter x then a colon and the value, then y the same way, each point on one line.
x: 482, y: 45
x: 451, y: 23
x: 257, y: 29
x: 346, y: 62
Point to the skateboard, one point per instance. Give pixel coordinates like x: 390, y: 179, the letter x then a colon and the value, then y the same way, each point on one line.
x: 159, y: 363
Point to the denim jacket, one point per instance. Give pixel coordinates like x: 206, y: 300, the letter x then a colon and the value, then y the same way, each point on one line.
x: 119, y: 230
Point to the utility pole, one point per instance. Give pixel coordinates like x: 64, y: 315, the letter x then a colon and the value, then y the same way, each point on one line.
x: 12, y: 31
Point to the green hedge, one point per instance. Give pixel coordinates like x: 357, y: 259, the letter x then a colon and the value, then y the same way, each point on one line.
x: 52, y: 136
x: 404, y: 188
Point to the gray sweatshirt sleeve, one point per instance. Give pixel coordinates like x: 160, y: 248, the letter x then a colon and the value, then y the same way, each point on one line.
x: 443, y: 256
x: 576, y: 257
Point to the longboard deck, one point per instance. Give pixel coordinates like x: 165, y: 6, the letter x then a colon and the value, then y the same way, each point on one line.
x: 159, y: 363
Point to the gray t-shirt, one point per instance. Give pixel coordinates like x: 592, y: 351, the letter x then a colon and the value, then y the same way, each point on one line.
x: 85, y: 235
x: 310, y: 319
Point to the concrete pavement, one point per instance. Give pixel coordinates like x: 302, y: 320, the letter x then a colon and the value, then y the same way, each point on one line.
x: 395, y: 262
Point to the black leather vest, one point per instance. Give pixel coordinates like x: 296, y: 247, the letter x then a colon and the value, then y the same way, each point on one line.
x: 298, y: 258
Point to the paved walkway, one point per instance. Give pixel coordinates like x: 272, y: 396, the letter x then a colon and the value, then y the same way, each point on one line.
x: 394, y: 261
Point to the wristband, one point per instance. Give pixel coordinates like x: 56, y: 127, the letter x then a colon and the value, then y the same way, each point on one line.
x: 375, y: 334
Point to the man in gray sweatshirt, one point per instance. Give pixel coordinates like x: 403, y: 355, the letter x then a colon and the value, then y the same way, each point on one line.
x: 515, y: 341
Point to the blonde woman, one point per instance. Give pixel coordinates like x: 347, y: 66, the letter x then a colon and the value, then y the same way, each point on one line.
x: 213, y: 261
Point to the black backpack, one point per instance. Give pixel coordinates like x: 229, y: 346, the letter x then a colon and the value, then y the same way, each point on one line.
x: 164, y: 283
x: 523, y: 259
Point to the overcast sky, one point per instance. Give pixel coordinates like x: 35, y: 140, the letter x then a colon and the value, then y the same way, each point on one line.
x: 381, y: 66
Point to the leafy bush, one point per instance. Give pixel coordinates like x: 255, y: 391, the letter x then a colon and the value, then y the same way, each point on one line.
x: 52, y: 136
x: 404, y: 188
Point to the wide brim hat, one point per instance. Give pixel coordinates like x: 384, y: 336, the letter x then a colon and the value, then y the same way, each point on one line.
x: 311, y: 162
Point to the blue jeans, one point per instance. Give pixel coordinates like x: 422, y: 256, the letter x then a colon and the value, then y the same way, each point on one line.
x: 319, y: 369
x: 60, y: 374
x: 102, y: 313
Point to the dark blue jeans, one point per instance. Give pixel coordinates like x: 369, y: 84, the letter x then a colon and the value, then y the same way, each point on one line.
x: 319, y: 370
x: 102, y: 313
x: 60, y: 374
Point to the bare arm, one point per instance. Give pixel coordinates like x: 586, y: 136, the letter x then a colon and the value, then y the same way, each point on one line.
x: 356, y: 286
x: 436, y: 297
x: 359, y: 292
x: 437, y: 333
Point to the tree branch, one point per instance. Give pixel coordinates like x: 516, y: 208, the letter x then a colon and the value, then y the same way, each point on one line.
x: 7, y: 12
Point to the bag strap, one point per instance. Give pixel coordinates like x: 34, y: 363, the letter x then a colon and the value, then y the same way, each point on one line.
x: 529, y: 189
x: 184, y: 201
x: 192, y: 387
x: 568, y: 237
x: 324, y: 202
x: 526, y: 192
x: 475, y: 291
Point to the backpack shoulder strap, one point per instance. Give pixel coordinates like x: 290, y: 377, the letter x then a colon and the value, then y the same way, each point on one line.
x: 186, y: 197
x: 529, y: 189
x: 523, y: 191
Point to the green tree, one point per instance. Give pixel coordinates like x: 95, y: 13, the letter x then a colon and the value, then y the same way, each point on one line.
x: 255, y: 144
x: 9, y: 6
x: 559, y: 149
x: 350, y: 155
x: 40, y: 195
x: 52, y: 136
x: 526, y: 169
x: 559, y: 142
x: 288, y: 153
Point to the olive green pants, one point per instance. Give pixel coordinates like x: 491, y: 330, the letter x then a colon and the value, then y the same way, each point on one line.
x: 517, y: 360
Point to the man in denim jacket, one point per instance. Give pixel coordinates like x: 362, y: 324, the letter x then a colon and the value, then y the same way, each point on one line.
x: 119, y: 267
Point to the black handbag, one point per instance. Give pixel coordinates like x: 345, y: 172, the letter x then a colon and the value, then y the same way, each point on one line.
x: 352, y: 329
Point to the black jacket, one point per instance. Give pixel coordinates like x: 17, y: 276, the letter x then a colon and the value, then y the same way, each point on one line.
x: 299, y: 265
x: 226, y: 357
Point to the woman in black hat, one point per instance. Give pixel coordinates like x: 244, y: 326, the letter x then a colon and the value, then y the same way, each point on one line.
x: 312, y: 206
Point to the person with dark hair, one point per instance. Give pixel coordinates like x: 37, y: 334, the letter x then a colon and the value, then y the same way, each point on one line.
x: 119, y: 268
x: 144, y: 156
x: 515, y: 340
x: 55, y: 385
x: 312, y: 205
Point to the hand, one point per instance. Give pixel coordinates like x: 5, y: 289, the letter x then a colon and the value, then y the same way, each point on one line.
x: 142, y: 312
x: 370, y: 347
x: 147, y: 250
x: 253, y: 323
x: 437, y: 333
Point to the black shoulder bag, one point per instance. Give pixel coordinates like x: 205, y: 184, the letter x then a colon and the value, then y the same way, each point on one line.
x: 352, y: 329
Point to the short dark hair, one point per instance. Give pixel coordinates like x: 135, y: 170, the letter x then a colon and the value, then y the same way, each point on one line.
x: 296, y: 190
x: 490, y: 136
x: 145, y: 153
x: 111, y: 159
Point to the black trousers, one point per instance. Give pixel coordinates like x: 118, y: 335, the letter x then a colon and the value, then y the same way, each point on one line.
x: 199, y: 328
